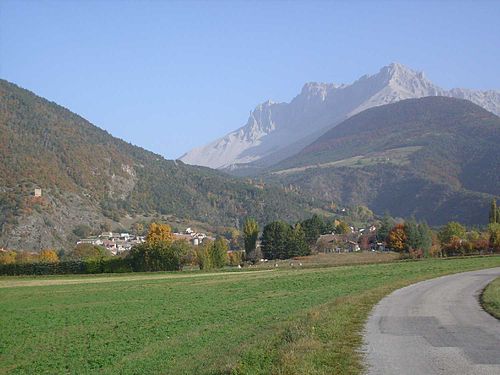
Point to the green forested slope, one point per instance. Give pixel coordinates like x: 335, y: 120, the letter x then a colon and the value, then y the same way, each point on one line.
x: 85, y: 173
x: 435, y: 157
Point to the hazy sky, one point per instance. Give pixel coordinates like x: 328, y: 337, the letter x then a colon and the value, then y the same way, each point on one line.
x: 169, y: 76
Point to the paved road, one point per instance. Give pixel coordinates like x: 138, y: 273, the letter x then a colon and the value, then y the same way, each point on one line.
x: 435, y: 327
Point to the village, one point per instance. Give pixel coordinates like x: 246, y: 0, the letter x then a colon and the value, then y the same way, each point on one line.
x: 117, y: 243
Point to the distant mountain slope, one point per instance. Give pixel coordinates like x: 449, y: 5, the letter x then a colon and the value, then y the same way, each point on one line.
x: 275, y: 131
x: 85, y: 173
x: 435, y: 157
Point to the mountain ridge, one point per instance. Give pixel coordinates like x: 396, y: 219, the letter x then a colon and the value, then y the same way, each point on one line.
x: 275, y: 131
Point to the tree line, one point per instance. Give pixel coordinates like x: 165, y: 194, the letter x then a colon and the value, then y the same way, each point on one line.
x: 278, y: 240
x: 418, y: 240
x: 281, y: 240
x: 159, y: 252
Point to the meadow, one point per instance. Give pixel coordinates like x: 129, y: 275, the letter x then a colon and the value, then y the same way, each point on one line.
x: 276, y: 321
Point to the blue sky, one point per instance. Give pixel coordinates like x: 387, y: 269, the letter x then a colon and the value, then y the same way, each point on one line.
x: 169, y: 76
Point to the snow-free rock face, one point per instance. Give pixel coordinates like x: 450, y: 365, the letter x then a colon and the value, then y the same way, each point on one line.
x: 275, y: 131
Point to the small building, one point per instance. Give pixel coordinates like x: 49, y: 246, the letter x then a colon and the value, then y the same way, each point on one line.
x: 92, y: 241
x: 353, y: 246
x: 38, y: 192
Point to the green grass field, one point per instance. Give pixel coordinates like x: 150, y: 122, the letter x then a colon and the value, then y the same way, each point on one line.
x: 285, y: 321
x: 491, y: 298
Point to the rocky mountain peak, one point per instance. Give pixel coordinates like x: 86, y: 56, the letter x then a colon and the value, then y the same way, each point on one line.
x: 400, y: 74
x: 276, y: 130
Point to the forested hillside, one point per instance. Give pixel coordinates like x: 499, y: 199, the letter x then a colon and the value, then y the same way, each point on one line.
x: 436, y: 157
x: 87, y: 175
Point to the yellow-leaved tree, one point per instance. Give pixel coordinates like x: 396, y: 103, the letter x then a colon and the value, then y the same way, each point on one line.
x: 7, y: 257
x: 159, y: 233
x: 48, y: 256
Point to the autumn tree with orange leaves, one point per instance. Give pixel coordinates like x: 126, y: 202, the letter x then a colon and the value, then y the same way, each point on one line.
x: 396, y: 239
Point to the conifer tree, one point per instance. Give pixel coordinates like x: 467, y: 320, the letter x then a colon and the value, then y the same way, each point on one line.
x: 275, y: 240
x: 297, y: 245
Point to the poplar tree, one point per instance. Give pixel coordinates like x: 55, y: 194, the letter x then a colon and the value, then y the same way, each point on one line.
x: 494, y: 212
x: 425, y: 238
x: 250, y: 235
x: 218, y: 252
x: 493, y: 217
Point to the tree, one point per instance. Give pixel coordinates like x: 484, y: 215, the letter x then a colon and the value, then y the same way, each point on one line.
x: 7, y: 257
x: 435, y: 250
x: 425, y: 238
x: 233, y: 236
x: 396, y: 239
x: 493, y: 216
x: 158, y: 256
x: 412, y: 233
x: 203, y: 255
x: 361, y: 214
x: 313, y: 228
x: 450, y: 230
x: 342, y: 228
x: 494, y: 231
x: 275, y: 240
x: 137, y: 228
x: 218, y: 252
x: 88, y: 251
x: 297, y: 245
x: 453, y: 246
x: 159, y: 233
x: 235, y: 258
x: 385, y: 227
x: 48, y: 256
x: 250, y: 235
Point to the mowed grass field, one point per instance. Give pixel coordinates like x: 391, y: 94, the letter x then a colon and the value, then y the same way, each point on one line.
x: 280, y: 321
x: 491, y: 298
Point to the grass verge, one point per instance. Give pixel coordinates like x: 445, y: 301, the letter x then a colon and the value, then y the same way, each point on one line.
x: 490, y: 298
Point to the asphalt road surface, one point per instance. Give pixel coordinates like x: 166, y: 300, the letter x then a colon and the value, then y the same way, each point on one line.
x: 435, y: 327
